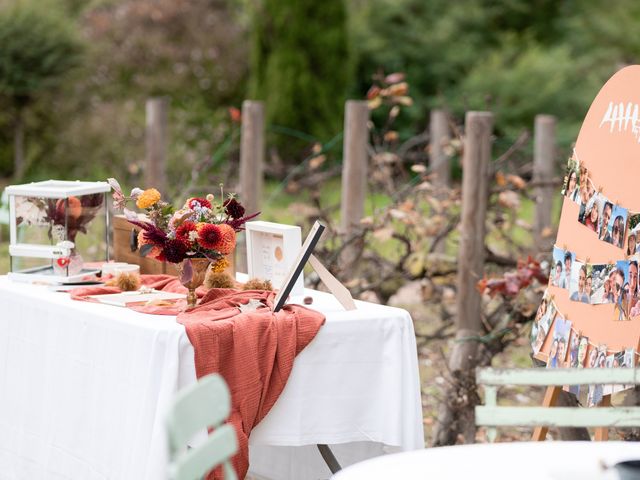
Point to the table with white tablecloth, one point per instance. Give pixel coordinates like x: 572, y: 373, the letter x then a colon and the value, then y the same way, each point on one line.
x: 500, y: 461
x: 85, y: 387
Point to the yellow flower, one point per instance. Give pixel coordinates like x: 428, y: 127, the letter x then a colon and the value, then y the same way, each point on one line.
x: 220, y: 265
x: 148, y: 198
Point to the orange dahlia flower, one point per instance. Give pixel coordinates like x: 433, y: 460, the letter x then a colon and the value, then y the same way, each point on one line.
x: 228, y: 240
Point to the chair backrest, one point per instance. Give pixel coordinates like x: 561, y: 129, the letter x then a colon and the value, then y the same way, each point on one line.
x: 205, y: 404
x: 492, y: 415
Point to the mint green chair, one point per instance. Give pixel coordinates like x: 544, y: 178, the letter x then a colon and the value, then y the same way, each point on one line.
x: 492, y: 415
x: 205, y: 404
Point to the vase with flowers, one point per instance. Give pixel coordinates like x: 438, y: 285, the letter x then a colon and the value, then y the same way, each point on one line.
x: 200, y: 233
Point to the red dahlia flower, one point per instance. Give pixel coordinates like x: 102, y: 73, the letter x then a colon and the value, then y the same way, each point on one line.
x: 209, y: 235
x: 193, y: 202
x: 233, y: 208
x: 182, y: 232
x: 175, y: 250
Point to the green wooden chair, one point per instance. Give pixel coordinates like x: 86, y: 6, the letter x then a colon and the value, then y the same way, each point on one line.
x: 493, y: 415
x: 205, y: 404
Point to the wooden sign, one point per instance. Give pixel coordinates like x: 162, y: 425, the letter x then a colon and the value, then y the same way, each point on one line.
x: 608, y: 146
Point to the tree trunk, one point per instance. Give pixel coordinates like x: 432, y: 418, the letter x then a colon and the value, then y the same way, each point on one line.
x: 456, y: 414
x: 18, y: 146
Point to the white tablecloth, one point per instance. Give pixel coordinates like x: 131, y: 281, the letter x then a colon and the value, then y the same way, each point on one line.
x: 84, y: 389
x: 500, y: 461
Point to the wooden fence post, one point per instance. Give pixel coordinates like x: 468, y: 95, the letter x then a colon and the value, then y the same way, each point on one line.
x: 544, y: 150
x: 475, y: 191
x: 155, y: 171
x: 354, y: 176
x: 252, y: 155
x: 439, y: 135
x: 252, y: 150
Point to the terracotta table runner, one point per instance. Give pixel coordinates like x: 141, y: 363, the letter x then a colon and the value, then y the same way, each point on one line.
x: 253, y: 350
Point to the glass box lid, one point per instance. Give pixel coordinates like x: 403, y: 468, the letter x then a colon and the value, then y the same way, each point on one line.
x: 57, y: 188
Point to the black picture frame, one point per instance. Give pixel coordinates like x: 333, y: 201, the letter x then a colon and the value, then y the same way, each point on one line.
x: 305, y: 252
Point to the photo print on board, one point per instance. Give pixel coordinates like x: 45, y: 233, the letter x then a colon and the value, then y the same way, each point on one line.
x: 560, y: 342
x: 621, y: 290
x: 592, y: 214
x: 607, y: 389
x: 541, y: 312
x: 561, y: 272
x: 602, y: 279
x: 577, y: 356
x: 617, y: 226
x: 634, y: 294
x: 594, y: 396
x: 605, y: 219
x: 587, y: 196
x: 577, y: 288
x: 629, y: 361
x: 542, y: 327
x: 633, y: 239
x: 622, y: 359
x: 571, y: 183
x: 574, y: 343
x: 593, y: 357
x: 583, y: 348
x: 629, y: 358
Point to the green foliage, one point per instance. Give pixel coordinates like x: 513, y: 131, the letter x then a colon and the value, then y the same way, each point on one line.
x: 517, y: 58
x: 517, y: 82
x: 300, y: 66
x: 38, y: 48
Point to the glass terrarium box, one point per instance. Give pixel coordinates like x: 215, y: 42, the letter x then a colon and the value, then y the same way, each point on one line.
x: 59, y: 230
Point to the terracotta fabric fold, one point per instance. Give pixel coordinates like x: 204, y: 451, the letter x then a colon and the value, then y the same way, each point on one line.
x: 252, y: 350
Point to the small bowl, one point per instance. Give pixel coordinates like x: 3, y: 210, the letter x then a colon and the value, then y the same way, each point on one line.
x: 110, y: 268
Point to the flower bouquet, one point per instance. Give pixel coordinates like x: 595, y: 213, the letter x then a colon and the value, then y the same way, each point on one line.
x: 200, y: 233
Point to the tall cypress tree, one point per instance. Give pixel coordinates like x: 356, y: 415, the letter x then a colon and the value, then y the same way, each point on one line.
x: 301, y: 68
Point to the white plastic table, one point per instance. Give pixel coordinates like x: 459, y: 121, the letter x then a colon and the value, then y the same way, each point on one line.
x: 84, y: 389
x: 500, y: 461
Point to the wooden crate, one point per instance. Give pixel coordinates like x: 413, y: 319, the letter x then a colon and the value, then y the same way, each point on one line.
x: 122, y: 251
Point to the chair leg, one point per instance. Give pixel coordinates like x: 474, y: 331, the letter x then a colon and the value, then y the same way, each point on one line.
x: 329, y: 458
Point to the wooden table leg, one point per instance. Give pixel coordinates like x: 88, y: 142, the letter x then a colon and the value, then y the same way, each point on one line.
x: 602, y: 433
x: 550, y: 398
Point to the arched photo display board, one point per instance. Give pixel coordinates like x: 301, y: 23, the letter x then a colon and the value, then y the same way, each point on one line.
x: 591, y: 315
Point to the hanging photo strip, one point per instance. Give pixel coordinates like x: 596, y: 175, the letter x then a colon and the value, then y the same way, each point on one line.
x: 599, y: 283
x: 597, y: 212
x: 569, y: 348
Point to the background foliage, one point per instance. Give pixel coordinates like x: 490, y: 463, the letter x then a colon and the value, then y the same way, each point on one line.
x: 514, y: 57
